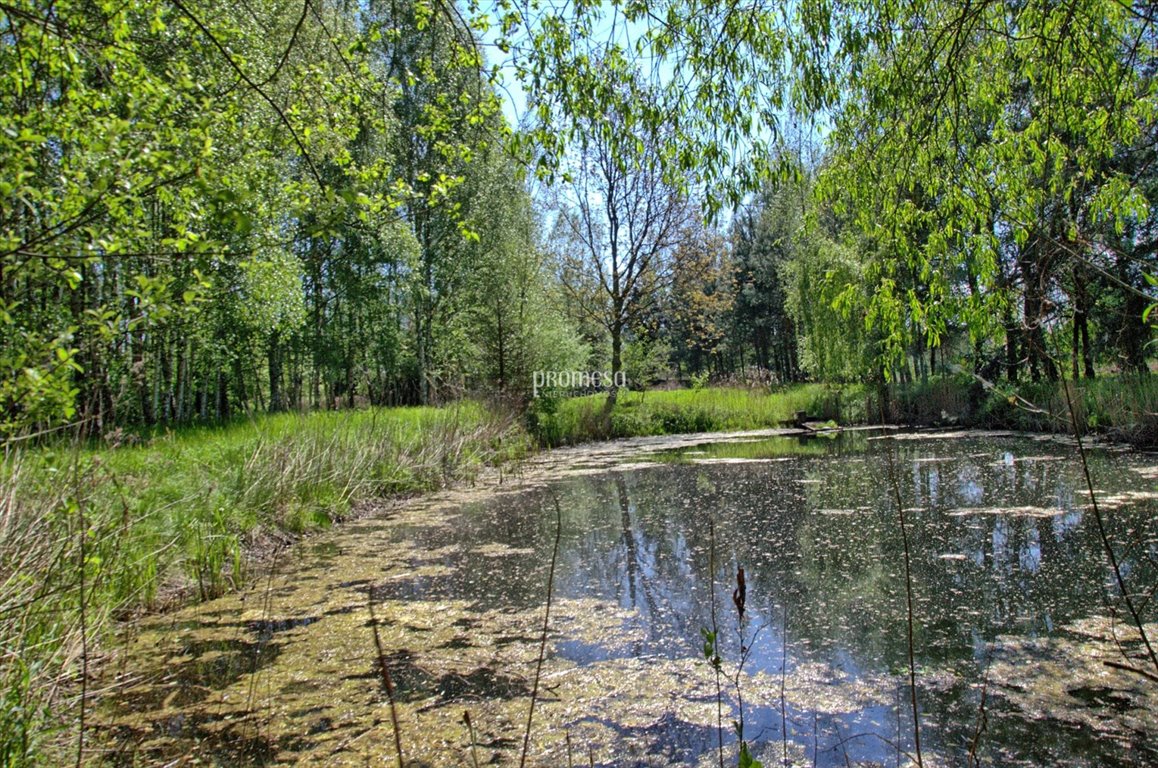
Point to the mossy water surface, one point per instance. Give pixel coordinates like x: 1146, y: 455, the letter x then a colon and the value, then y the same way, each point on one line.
x: 1015, y: 616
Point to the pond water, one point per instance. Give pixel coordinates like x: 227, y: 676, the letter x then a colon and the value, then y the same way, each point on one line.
x: 1016, y: 615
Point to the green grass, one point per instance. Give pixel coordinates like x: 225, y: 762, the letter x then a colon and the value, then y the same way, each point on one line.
x: 664, y: 412
x: 201, y: 491
x: 1120, y: 407
x: 100, y: 532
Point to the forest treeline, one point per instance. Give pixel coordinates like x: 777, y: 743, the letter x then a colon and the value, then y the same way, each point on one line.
x: 208, y: 209
x: 215, y: 209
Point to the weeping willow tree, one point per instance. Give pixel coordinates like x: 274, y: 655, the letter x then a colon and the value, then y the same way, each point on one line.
x: 990, y: 154
x: 993, y: 159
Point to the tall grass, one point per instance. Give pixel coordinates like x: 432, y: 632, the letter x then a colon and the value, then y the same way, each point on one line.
x: 1123, y: 408
x: 580, y: 419
x: 98, y: 532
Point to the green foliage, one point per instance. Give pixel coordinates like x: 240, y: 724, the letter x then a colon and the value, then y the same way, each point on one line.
x: 142, y: 177
x: 1120, y: 408
x: 710, y: 654
x: 22, y: 712
x: 974, y: 192
x: 35, y: 378
x: 218, y: 211
x: 745, y: 758
x: 702, y: 298
x: 957, y: 208
x: 645, y: 362
x: 772, y: 303
x: 709, y: 76
x: 1153, y: 282
x: 211, y: 211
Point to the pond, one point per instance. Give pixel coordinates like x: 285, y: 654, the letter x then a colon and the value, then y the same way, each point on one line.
x: 1019, y: 635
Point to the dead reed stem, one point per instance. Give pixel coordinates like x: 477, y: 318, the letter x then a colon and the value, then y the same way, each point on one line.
x: 473, y: 741
x: 387, y: 679
x: 82, y: 555
x: 715, y: 660
x: 543, y: 635
x: 783, y: 675
x: 982, y: 718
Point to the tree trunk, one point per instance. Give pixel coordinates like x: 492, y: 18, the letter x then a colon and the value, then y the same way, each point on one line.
x: 275, y: 399
x: 1087, y: 353
x: 1134, y: 334
x: 1074, y: 338
x: 1012, y: 359
x: 1033, y: 311
x: 183, y: 350
x: 222, y: 409
x: 502, y: 351
x: 423, y: 362
x: 616, y: 349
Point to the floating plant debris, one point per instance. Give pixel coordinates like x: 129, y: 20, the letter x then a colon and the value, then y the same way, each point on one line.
x: 1009, y: 593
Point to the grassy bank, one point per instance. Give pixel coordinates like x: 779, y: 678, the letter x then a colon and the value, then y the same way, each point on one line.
x: 711, y: 409
x: 91, y: 533
x: 1121, y: 408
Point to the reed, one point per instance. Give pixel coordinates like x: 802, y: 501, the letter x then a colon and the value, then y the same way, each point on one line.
x: 1121, y: 408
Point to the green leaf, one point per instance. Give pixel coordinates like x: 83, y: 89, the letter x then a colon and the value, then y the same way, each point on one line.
x: 746, y: 759
x: 709, y: 643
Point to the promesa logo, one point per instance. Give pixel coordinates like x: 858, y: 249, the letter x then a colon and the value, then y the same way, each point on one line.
x: 577, y: 380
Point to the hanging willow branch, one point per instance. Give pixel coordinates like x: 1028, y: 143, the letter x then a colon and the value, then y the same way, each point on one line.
x: 282, y: 117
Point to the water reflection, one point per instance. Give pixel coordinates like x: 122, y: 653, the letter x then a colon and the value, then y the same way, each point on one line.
x: 1002, y: 546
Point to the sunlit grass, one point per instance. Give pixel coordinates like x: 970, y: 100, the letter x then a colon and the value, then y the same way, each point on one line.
x: 106, y: 530
x: 681, y: 411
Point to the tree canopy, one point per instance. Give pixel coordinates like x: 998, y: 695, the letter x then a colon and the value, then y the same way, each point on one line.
x: 208, y: 211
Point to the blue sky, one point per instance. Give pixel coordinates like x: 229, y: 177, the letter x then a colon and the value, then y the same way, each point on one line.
x: 612, y: 27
